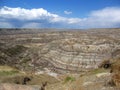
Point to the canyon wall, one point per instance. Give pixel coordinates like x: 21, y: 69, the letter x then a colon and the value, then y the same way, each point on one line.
x: 63, y: 51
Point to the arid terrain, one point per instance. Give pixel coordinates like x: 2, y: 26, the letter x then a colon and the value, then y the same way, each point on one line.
x: 65, y: 59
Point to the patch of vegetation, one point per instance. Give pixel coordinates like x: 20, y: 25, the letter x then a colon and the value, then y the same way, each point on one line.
x: 99, y: 70
x: 69, y: 79
x: 8, y: 73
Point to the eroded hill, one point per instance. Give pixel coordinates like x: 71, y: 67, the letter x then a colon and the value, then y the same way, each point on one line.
x: 57, y: 51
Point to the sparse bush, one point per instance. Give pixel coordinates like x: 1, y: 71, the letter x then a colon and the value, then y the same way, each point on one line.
x: 69, y: 78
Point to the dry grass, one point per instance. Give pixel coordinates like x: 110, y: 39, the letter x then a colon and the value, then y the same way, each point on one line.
x: 6, y: 68
x: 11, y: 75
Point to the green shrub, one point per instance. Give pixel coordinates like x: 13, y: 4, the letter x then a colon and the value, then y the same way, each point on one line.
x: 100, y: 70
x: 69, y: 79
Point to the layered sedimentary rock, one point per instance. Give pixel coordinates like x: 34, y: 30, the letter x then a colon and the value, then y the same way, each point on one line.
x: 67, y: 51
x: 80, y: 53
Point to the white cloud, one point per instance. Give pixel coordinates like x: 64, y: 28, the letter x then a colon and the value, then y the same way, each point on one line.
x: 67, y: 12
x: 107, y: 17
x: 20, y: 17
x: 25, y: 14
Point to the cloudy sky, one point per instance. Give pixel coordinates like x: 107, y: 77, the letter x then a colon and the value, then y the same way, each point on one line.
x: 59, y: 14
